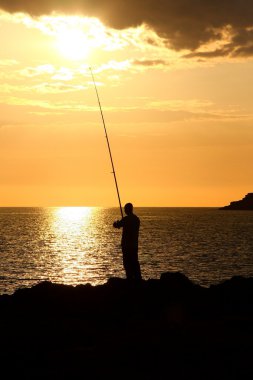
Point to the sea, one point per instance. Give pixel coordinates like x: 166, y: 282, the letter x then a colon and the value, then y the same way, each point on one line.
x: 78, y: 245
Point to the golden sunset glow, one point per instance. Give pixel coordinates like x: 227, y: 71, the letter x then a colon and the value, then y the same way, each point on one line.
x: 178, y: 108
x: 72, y: 45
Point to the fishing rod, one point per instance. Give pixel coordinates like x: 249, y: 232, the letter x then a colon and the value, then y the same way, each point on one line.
x: 108, y: 143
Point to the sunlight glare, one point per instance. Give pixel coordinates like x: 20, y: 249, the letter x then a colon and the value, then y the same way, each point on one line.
x: 71, y: 221
x: 72, y: 231
x: 72, y: 44
x: 73, y: 214
x: 77, y: 37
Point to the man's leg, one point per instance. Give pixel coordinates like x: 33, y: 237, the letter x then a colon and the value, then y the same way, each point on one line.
x: 137, y: 270
x: 127, y: 266
x: 132, y: 268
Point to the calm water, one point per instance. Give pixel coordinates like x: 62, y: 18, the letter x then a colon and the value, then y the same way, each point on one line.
x: 78, y: 245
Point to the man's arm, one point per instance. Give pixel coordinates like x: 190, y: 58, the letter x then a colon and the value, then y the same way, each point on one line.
x: 118, y: 224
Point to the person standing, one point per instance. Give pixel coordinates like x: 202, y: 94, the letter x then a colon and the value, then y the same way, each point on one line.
x: 129, y: 242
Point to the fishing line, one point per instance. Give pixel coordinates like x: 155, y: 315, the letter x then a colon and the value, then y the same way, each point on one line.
x: 108, y: 143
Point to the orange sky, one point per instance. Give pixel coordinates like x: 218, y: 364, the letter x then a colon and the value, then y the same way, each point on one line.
x: 178, y: 111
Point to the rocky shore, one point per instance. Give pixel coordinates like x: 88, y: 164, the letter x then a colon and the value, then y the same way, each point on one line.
x: 158, y: 329
x: 243, y: 204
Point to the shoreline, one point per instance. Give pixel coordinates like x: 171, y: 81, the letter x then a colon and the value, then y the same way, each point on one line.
x: 157, y: 328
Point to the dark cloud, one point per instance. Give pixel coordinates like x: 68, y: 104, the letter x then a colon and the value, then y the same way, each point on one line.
x: 241, y: 45
x: 209, y: 54
x: 150, y: 62
x: 185, y: 24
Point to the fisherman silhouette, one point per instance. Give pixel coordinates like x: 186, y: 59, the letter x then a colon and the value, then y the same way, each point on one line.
x: 129, y: 242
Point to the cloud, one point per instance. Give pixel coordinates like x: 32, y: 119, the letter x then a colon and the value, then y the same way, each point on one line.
x: 56, y: 88
x: 39, y: 70
x: 185, y: 24
x: 8, y: 62
x: 43, y: 88
x: 62, y: 73
x: 150, y: 62
x: 65, y: 106
x: 114, y: 65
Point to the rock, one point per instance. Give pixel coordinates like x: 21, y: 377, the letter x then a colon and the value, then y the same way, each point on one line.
x: 167, y: 328
x: 244, y: 204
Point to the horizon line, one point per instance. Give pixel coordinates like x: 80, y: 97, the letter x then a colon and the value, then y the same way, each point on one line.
x: 116, y: 207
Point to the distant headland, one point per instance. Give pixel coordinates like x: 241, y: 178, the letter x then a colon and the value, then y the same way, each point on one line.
x: 244, y: 204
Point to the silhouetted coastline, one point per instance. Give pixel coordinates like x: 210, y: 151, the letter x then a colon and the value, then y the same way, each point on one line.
x: 244, y: 204
x: 154, y: 329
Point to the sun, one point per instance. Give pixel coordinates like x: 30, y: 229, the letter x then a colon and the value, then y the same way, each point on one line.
x: 77, y: 38
x: 73, y: 44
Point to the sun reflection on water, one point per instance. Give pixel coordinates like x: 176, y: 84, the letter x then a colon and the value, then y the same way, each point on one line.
x: 73, y: 236
x: 77, y: 216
